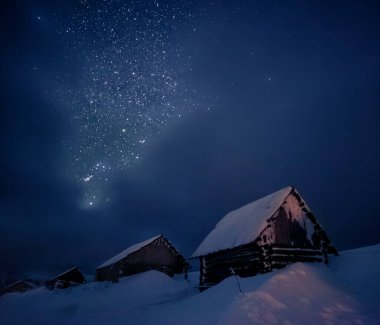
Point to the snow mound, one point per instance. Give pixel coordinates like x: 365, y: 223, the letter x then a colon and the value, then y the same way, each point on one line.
x: 314, y: 299
x: 346, y: 292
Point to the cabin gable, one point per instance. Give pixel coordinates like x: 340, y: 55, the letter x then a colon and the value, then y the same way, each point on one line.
x: 293, y: 225
x: 155, y: 253
x: 289, y: 226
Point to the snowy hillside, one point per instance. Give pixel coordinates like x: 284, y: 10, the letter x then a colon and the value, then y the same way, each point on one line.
x: 347, y: 292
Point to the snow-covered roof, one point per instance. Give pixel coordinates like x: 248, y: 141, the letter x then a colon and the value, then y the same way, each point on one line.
x: 243, y: 225
x: 29, y: 283
x: 67, y: 271
x: 14, y: 283
x: 128, y: 251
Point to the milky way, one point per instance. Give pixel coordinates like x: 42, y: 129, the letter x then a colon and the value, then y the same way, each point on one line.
x: 130, y: 84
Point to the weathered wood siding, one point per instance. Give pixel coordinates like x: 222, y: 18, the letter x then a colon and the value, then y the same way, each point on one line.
x: 244, y: 261
x: 158, y: 255
x: 281, y: 256
x: 249, y: 260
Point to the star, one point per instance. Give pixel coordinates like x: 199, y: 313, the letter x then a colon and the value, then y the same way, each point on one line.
x: 129, y: 84
x: 88, y: 178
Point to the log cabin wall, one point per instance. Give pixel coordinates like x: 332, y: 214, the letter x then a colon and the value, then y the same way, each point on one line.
x: 72, y: 276
x: 249, y: 260
x: 244, y: 260
x: 20, y: 286
x: 291, y: 225
x: 102, y: 274
x: 156, y: 253
x: 295, y: 226
x: 291, y: 235
x: 281, y: 256
x: 159, y: 255
x: 67, y: 279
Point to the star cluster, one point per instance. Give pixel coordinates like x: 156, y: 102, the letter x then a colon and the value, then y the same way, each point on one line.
x: 131, y: 84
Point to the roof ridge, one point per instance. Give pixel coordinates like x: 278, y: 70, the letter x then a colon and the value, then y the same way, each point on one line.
x: 243, y: 225
x: 67, y: 271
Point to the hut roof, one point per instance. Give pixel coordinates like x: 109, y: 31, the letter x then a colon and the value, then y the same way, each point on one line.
x: 14, y: 283
x: 66, y: 272
x: 243, y: 225
x: 128, y: 251
x: 28, y: 283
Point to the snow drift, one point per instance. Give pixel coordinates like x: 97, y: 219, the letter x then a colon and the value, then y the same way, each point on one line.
x: 346, y: 292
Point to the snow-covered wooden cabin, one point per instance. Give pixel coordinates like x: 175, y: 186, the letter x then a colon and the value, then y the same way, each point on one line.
x: 269, y: 233
x: 19, y: 286
x: 69, y: 278
x: 156, y: 253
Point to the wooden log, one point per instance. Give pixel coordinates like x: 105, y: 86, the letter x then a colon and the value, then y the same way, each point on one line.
x: 251, y: 247
x: 296, y: 252
x: 236, y: 255
x: 235, y: 260
x: 232, y: 253
x: 294, y: 259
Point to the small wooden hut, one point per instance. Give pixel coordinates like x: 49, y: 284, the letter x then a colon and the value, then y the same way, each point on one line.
x: 69, y: 278
x: 19, y: 286
x: 156, y: 253
x: 266, y: 234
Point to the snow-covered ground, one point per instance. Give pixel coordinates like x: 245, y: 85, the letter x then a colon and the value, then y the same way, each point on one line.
x: 346, y: 292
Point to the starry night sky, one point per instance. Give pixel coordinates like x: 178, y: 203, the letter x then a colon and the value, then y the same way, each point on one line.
x: 121, y: 120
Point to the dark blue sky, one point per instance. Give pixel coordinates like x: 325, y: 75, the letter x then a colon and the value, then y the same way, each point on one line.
x: 266, y: 95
